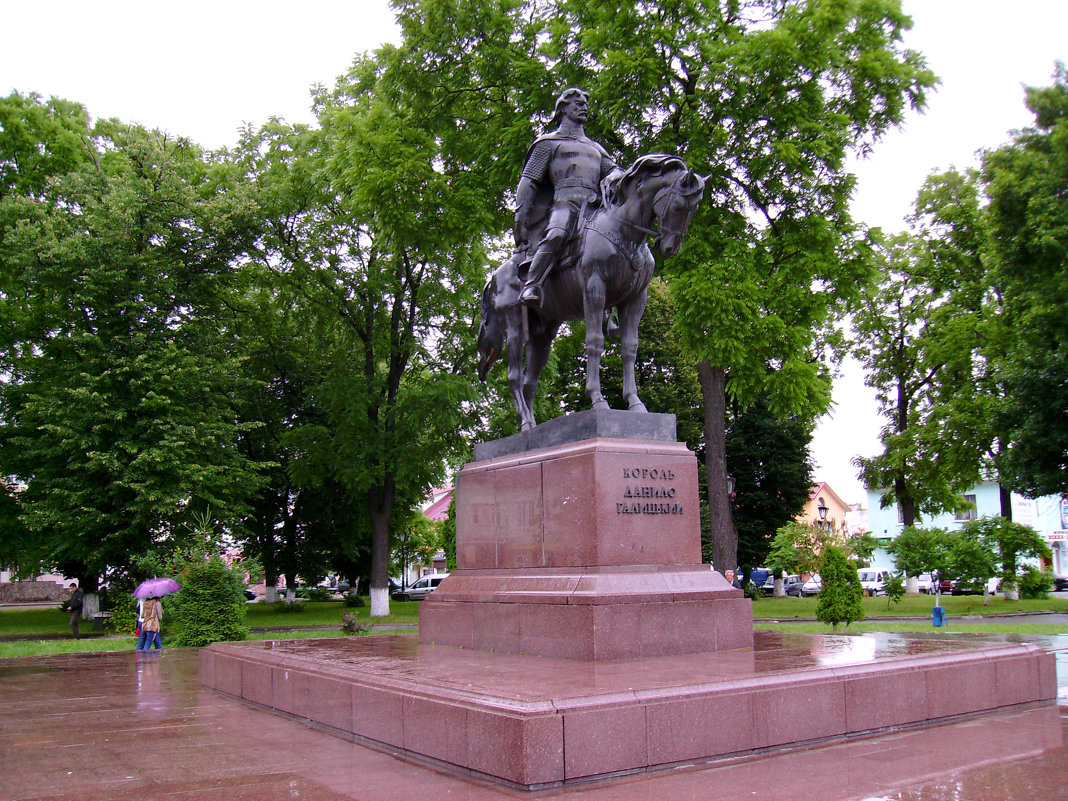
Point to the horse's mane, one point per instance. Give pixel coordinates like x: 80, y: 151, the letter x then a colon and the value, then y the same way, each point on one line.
x: 649, y: 164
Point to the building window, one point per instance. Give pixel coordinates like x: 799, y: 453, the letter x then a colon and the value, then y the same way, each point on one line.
x: 967, y: 514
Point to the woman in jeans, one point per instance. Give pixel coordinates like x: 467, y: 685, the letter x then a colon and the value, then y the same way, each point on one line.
x: 149, y: 614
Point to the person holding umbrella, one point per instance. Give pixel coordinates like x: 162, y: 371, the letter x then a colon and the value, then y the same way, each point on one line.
x: 149, y: 615
x: 150, y: 610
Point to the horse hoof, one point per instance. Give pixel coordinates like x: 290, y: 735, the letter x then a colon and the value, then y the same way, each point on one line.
x: 601, y: 404
x: 637, y: 407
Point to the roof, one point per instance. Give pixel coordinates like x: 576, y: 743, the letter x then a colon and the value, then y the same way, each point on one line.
x: 439, y: 509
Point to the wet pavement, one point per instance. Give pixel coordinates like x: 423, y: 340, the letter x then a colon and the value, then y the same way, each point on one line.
x: 139, y: 726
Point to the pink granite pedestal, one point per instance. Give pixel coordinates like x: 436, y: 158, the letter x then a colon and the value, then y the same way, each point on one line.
x: 586, y: 550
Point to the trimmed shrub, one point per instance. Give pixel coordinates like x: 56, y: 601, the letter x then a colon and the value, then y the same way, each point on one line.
x: 353, y: 600
x: 840, y: 598
x: 209, y: 608
x: 318, y: 594
x: 1035, y: 583
x: 351, y: 624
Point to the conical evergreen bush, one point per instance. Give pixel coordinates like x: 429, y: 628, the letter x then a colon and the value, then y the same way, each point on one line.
x: 840, y: 598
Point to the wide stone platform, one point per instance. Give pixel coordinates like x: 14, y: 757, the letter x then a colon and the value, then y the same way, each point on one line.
x: 534, y: 722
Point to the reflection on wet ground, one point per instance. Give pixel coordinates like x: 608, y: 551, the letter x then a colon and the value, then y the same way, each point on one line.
x: 524, y: 678
x: 128, y: 726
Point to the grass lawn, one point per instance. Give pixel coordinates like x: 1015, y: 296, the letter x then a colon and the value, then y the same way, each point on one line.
x: 325, y: 613
x: 911, y: 605
x: 51, y: 621
x: 917, y: 626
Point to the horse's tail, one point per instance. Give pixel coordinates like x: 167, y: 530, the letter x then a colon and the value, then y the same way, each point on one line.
x: 490, y: 331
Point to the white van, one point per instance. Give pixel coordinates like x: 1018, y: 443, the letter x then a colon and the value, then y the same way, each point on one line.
x: 873, y: 580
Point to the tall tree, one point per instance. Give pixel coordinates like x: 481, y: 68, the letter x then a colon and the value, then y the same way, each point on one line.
x: 768, y: 458
x: 377, y: 221
x: 768, y: 97
x: 116, y: 248
x: 916, y: 340
x: 1028, y: 224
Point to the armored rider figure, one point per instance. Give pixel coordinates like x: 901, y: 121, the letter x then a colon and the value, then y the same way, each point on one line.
x: 561, y: 179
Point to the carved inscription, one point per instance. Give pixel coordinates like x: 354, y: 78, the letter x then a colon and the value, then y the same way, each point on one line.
x: 648, y: 492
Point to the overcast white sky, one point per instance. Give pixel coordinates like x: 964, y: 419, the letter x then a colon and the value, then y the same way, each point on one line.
x: 202, y: 69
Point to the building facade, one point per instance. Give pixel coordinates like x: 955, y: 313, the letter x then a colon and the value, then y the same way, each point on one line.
x: 1048, y: 515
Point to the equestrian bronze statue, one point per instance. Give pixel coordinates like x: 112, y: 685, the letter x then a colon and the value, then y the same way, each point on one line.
x: 581, y: 250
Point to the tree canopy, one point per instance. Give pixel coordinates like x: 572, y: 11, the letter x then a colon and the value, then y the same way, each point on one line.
x: 117, y: 247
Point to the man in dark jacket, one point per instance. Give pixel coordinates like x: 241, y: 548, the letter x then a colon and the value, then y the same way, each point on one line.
x: 75, y: 607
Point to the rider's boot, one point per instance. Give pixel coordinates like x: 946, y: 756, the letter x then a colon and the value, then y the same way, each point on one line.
x: 531, y: 294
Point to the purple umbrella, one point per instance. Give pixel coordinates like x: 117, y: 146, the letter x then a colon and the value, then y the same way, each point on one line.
x: 156, y: 587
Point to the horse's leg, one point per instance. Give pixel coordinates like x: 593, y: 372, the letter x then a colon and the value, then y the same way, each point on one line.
x: 517, y: 333
x: 538, y: 349
x: 593, y: 303
x: 630, y: 314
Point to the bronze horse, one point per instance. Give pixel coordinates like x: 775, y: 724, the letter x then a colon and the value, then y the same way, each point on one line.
x: 611, y: 269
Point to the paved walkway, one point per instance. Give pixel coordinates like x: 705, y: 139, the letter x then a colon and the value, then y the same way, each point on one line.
x: 138, y: 726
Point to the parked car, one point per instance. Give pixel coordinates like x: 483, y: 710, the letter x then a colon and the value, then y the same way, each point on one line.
x: 813, y: 585
x: 873, y: 580
x: 1060, y: 583
x: 421, y: 588
x: 791, y: 584
x: 925, y: 583
x: 250, y: 594
x: 759, y: 576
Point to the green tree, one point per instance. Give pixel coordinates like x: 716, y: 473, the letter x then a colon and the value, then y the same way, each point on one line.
x: 768, y: 97
x: 972, y: 561
x: 1009, y: 541
x: 768, y: 457
x: 916, y: 337
x: 209, y: 608
x: 796, y: 548
x: 376, y: 220
x: 922, y: 550
x: 117, y: 247
x: 840, y: 599
x: 1028, y: 227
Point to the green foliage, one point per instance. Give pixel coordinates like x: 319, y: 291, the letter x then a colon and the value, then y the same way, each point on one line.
x: 916, y: 339
x: 353, y: 599
x: 1028, y: 224
x: 862, y: 546
x: 209, y: 608
x: 769, y: 460
x: 797, y: 548
x: 921, y: 550
x: 447, y: 535
x: 318, y: 594
x: 972, y: 562
x: 1007, y: 541
x: 117, y: 247
x: 288, y: 608
x: 1036, y: 584
x: 894, y: 587
x: 840, y: 599
x: 123, y: 608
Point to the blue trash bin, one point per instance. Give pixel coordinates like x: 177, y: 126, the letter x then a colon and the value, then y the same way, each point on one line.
x: 938, y: 615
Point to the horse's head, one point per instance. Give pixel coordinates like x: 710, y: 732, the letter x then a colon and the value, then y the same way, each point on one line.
x: 674, y: 207
x: 491, y: 331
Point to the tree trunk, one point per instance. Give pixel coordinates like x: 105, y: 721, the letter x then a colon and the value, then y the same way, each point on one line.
x: 1005, y: 496
x: 381, y: 500
x: 714, y: 401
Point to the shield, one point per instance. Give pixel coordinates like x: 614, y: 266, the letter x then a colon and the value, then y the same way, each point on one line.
x: 156, y: 587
